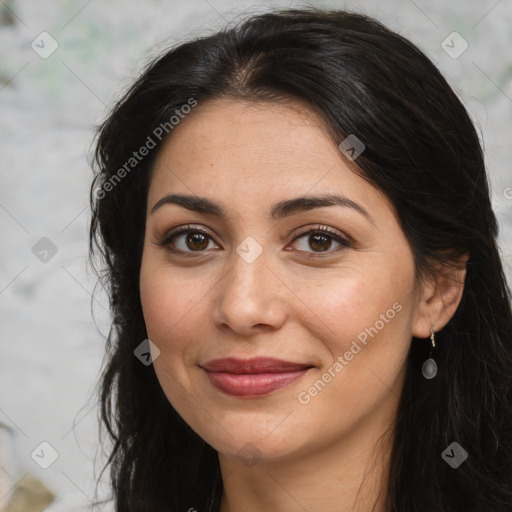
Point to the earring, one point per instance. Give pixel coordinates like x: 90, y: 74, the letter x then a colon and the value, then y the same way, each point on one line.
x: 429, y: 368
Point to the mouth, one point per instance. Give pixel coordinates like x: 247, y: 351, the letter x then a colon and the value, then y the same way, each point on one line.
x: 255, y: 377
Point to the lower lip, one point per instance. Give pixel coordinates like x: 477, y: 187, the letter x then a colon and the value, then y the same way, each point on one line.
x: 253, y: 384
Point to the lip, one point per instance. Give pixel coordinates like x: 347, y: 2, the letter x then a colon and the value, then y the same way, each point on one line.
x: 253, y: 377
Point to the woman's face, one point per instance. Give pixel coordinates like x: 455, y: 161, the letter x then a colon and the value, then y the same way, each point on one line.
x: 261, y: 273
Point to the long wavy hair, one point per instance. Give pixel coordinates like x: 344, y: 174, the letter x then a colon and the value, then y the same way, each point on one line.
x: 421, y: 151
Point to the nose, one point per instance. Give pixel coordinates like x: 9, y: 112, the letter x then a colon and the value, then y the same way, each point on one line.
x: 251, y: 297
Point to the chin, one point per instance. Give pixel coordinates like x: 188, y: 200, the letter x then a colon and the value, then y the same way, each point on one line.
x: 249, y: 439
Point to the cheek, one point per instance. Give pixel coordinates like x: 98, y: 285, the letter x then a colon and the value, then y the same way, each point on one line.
x: 363, y: 316
x: 338, y: 307
x: 170, y: 306
x: 362, y: 328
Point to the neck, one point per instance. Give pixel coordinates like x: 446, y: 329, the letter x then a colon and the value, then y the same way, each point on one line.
x: 348, y: 475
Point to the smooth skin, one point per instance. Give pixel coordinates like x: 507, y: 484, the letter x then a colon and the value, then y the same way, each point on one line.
x: 305, y: 298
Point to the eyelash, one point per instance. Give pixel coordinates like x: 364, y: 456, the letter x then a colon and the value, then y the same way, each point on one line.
x: 169, y: 238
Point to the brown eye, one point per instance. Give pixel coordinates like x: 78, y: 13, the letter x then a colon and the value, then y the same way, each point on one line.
x: 187, y: 240
x: 196, y: 241
x: 320, y: 240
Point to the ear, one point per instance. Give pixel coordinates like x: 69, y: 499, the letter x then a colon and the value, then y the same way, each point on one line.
x: 440, y: 296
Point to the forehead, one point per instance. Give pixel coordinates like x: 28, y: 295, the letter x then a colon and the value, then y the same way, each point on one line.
x: 228, y: 130
x: 251, y: 151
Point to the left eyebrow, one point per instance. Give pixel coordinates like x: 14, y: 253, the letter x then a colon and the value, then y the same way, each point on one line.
x: 279, y: 210
x: 291, y: 206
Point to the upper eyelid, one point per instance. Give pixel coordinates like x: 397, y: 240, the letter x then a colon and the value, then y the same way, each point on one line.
x: 180, y: 230
x: 322, y: 229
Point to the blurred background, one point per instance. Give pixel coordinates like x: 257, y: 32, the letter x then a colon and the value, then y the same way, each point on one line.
x: 62, y: 64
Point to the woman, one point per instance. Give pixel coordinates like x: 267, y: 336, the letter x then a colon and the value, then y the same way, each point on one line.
x: 310, y: 311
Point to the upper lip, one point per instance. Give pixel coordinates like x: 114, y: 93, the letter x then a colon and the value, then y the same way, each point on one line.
x: 254, y: 365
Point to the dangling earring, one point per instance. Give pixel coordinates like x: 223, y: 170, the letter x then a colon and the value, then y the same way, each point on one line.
x: 429, y: 368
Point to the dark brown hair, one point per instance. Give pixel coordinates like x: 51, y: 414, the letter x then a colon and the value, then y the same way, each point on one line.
x: 422, y: 151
